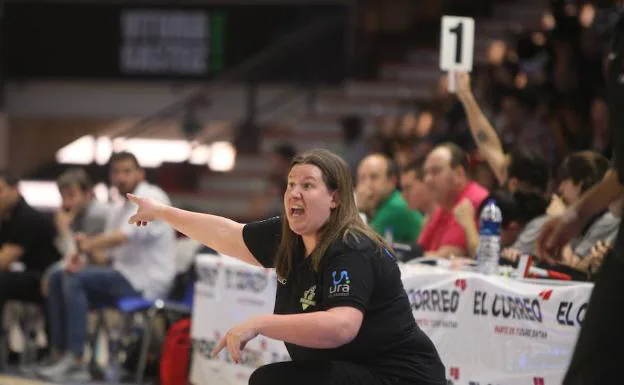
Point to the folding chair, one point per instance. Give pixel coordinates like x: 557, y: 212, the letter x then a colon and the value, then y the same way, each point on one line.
x: 150, y: 309
x: 179, y: 302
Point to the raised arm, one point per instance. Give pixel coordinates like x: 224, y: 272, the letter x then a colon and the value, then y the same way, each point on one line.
x: 482, y: 131
x: 219, y: 233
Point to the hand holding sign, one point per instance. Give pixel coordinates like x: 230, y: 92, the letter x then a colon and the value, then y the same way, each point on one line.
x: 457, y: 46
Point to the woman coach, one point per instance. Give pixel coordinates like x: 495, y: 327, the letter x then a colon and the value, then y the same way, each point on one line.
x: 340, y: 306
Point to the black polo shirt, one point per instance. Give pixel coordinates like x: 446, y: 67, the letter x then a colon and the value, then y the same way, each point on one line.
x: 34, y: 232
x: 356, y: 274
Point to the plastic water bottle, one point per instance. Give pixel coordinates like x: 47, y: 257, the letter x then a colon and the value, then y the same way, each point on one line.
x: 488, y: 251
x: 389, y: 235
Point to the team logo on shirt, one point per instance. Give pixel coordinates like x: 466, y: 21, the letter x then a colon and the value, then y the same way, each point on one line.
x: 308, y: 298
x: 341, y: 284
x: 344, y: 277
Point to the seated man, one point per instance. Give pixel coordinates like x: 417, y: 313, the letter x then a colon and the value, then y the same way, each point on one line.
x: 578, y: 173
x: 80, y: 213
x: 378, y: 197
x: 446, y: 175
x: 532, y: 215
x: 142, y: 265
x: 26, y: 236
x: 415, y: 191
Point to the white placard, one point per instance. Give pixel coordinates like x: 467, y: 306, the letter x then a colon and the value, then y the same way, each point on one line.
x: 457, y: 43
x: 456, y: 46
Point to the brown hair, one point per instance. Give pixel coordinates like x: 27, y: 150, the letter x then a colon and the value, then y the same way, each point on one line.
x: 74, y: 176
x: 586, y: 168
x: 415, y: 165
x: 344, y: 220
x: 458, y: 156
x: 124, y: 156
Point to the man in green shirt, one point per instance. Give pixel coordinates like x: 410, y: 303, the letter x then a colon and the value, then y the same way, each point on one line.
x: 378, y: 197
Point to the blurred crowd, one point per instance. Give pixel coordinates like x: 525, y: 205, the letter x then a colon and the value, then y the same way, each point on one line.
x: 529, y: 128
x: 542, y: 88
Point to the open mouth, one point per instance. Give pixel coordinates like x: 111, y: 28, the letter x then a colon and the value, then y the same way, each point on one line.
x: 296, y: 211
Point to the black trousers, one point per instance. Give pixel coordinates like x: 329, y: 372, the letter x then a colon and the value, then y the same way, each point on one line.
x: 599, y: 353
x: 321, y: 373
x: 22, y: 286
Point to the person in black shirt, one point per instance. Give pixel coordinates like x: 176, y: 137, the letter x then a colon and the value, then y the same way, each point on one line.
x: 599, y: 350
x: 26, y: 236
x: 340, y: 306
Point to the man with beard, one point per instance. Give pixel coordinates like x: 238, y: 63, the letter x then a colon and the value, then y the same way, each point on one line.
x: 142, y: 264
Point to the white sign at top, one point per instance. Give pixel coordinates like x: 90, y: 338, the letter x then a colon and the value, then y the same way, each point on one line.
x: 457, y: 43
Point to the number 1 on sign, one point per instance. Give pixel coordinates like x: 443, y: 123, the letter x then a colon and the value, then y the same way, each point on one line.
x: 459, y: 34
x: 457, y: 46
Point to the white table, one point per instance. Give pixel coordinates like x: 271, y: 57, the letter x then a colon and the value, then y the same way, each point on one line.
x: 488, y: 330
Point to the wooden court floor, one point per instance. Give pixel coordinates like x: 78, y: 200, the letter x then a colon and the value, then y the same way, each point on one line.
x: 10, y: 380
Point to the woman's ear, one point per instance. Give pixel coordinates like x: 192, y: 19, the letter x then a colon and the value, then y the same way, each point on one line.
x: 334, y: 201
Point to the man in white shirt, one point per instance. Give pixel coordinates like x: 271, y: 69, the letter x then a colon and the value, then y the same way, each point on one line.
x: 142, y: 264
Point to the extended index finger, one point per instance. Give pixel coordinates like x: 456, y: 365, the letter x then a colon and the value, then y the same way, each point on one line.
x: 217, y: 349
x: 233, y: 346
x: 133, y: 198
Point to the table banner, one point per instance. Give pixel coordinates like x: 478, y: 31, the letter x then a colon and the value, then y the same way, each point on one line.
x: 488, y: 330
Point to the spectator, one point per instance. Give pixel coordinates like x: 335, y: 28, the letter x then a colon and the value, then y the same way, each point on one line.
x: 578, y: 173
x: 527, y: 171
x: 482, y: 174
x: 281, y: 157
x: 599, y: 121
x: 522, y: 169
x: 532, y: 216
x: 378, y: 197
x: 572, y: 123
x: 415, y: 191
x: 80, y: 212
x: 385, y: 136
x: 518, y: 210
x: 269, y: 203
x: 528, y: 181
x: 355, y: 146
x: 142, y: 265
x: 446, y: 176
x: 577, y: 254
x: 27, y: 237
